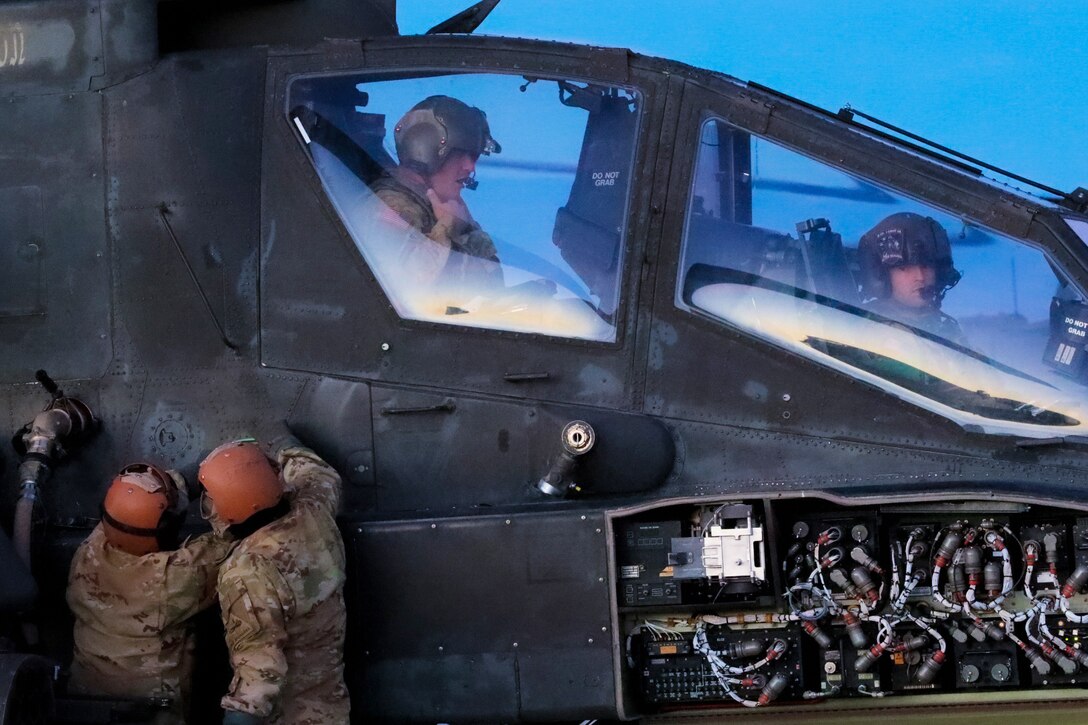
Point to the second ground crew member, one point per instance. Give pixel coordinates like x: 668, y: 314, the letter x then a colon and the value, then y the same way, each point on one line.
x: 282, y: 588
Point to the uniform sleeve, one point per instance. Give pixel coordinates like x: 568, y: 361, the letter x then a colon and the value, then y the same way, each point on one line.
x: 422, y: 256
x: 313, y: 480
x: 256, y: 604
x: 191, y: 573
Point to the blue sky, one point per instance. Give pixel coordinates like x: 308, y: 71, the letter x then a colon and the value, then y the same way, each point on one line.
x: 1003, y: 81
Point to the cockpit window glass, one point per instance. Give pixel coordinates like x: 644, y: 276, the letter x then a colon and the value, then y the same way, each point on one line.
x: 490, y: 201
x: 954, y: 317
x: 1080, y: 227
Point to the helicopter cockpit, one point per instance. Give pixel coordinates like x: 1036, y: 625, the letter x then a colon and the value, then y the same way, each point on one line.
x: 553, y: 203
x: 774, y: 245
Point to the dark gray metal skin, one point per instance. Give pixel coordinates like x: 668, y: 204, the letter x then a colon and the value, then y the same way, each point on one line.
x: 179, y: 269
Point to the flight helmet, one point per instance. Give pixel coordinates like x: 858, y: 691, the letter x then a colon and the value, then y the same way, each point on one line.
x: 143, y: 509
x: 240, y: 481
x: 437, y: 126
x: 900, y: 240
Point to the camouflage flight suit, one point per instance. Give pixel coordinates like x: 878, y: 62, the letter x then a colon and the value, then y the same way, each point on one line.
x: 408, y: 210
x: 282, y: 596
x: 131, y: 616
x: 929, y: 319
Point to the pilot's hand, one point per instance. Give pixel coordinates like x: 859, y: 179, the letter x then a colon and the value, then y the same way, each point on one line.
x: 478, y: 243
x: 450, y: 213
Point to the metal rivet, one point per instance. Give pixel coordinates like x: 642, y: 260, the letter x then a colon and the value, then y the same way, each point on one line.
x: 441, y: 648
x: 604, y: 629
x: 508, y: 522
x: 600, y: 578
x: 590, y: 640
x: 786, y: 397
x: 385, y: 347
x: 583, y: 518
x: 434, y: 526
x: 515, y: 644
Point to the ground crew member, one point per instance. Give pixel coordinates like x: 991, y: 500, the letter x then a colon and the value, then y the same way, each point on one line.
x: 906, y: 269
x: 282, y: 588
x: 133, y: 591
x: 438, y: 143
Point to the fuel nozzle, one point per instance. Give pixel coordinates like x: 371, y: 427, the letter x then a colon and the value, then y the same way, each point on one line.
x: 774, y: 687
x: 1075, y: 582
x: 577, y: 439
x: 64, y: 424
x: 929, y: 668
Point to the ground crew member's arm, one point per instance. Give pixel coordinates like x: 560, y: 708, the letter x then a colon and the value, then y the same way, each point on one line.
x: 311, y: 478
x: 191, y: 572
x: 422, y: 254
x: 256, y: 604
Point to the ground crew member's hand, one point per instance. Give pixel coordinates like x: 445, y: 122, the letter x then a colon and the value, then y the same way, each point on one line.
x: 235, y: 717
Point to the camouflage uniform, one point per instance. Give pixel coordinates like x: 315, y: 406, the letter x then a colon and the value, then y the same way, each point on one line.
x: 929, y: 319
x: 407, y: 209
x: 131, y: 615
x: 282, y: 596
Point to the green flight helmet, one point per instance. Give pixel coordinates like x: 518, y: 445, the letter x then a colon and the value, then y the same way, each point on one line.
x: 437, y: 126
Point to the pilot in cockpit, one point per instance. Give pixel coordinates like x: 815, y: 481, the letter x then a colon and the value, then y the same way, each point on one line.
x: 438, y: 143
x: 906, y: 269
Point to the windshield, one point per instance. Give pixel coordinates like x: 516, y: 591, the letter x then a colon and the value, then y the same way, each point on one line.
x: 1080, y: 227
x: 480, y: 200
x: 979, y: 327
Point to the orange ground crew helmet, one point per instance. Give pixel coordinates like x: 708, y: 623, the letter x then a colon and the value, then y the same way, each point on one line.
x: 139, y: 512
x: 240, y: 481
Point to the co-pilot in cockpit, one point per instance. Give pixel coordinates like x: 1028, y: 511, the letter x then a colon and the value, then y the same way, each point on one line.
x: 536, y: 248
x: 989, y: 355
x: 906, y: 269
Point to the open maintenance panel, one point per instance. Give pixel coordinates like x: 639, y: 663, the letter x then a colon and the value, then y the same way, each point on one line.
x: 754, y: 602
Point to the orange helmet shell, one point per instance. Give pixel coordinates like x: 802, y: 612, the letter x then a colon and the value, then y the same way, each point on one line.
x: 240, y: 481
x: 137, y: 499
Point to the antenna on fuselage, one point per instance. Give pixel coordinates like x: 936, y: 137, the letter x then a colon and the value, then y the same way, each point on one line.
x: 467, y: 20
